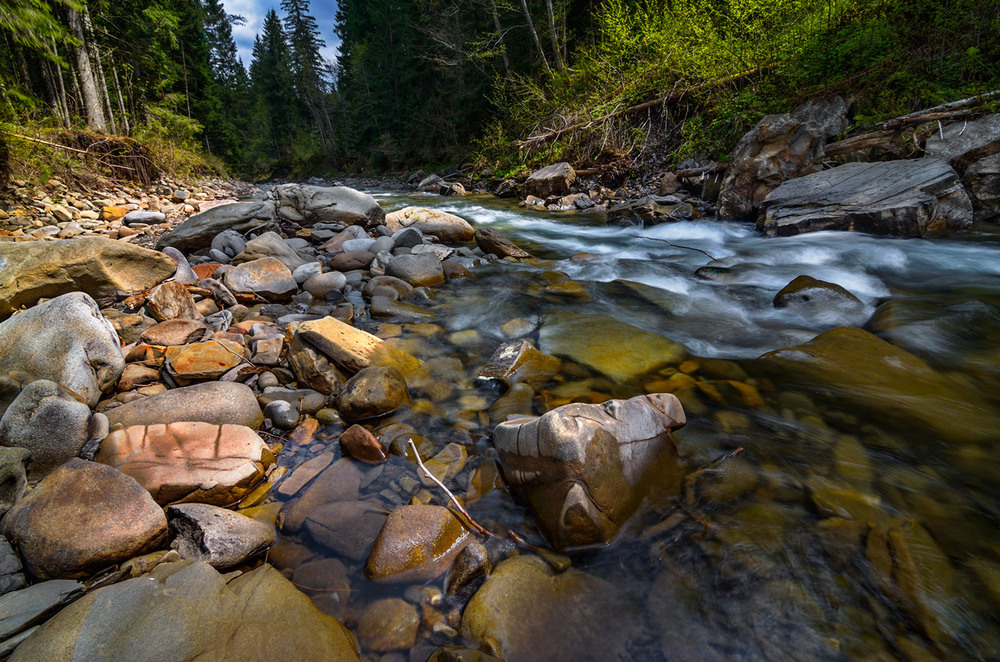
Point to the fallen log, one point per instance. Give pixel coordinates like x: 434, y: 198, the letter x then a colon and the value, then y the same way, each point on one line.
x: 676, y: 96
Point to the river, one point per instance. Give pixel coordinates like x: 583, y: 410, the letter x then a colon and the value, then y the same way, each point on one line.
x: 860, y: 520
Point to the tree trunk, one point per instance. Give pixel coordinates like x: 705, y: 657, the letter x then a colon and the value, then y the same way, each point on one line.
x: 554, y: 31
x: 88, y: 84
x: 500, y: 41
x: 534, y: 35
x: 121, y: 101
x: 102, y: 82
x: 63, y: 102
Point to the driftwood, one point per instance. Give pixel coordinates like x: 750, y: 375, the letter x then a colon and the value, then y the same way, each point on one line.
x: 885, y: 137
x: 676, y: 96
x: 126, y: 158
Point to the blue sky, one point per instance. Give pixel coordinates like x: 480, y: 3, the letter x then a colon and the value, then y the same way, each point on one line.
x: 253, y: 11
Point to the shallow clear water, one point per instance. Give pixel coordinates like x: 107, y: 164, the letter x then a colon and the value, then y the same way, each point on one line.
x: 846, y: 529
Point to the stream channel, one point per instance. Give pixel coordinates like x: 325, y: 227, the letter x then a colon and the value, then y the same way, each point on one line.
x: 860, y: 521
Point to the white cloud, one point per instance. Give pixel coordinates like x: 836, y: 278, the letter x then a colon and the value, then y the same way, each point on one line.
x: 255, y: 10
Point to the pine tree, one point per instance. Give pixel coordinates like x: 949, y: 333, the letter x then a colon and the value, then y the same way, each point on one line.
x: 275, y: 112
x: 309, y: 73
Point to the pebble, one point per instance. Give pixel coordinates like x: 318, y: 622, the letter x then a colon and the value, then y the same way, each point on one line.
x: 282, y: 414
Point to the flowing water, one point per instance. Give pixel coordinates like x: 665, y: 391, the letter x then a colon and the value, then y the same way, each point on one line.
x: 861, y: 519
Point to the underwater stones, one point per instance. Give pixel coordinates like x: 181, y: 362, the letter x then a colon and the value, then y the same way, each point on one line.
x: 530, y: 612
x: 347, y: 527
x: 416, y: 544
x: 372, y: 392
x: 388, y: 625
x: 83, y: 517
x: 518, y: 361
x: 65, y: 340
x: 189, y: 461
x: 584, y: 469
x: 852, y: 365
x: 617, y: 350
x: 362, y: 445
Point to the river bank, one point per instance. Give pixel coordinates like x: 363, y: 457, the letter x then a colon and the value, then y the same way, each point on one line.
x: 833, y: 484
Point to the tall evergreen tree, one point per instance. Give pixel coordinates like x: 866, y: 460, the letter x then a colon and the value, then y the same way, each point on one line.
x: 309, y: 72
x: 276, y: 113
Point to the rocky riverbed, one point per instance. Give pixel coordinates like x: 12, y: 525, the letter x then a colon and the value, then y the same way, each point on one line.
x: 246, y: 431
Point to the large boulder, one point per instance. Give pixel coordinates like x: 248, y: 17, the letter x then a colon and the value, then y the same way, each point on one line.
x: 856, y: 369
x: 100, y: 267
x: 30, y: 606
x: 422, y: 269
x: 212, y: 402
x: 327, y: 204
x: 47, y: 421
x: 81, y: 518
x: 553, y: 179
x: 189, y: 462
x: 902, y: 198
x: 530, y: 612
x: 982, y: 181
x: 446, y: 227
x: 779, y: 148
x: 584, y: 469
x: 65, y: 340
x: 199, y: 230
x: 963, y: 143
x: 615, y: 349
x: 189, y: 612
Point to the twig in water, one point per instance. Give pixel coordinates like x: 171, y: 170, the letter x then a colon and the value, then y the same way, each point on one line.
x: 689, y: 248
x: 479, y: 528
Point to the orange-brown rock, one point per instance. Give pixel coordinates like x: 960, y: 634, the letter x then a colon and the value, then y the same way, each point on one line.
x: 136, y: 374
x: 354, y: 349
x: 174, y: 332
x: 171, y: 300
x: 416, y: 544
x: 189, y: 462
x: 81, y: 518
x: 205, y: 270
x: 266, y: 276
x: 203, y: 360
x: 362, y: 445
x: 113, y: 213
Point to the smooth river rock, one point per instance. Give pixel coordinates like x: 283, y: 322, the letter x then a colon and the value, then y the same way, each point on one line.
x: 532, y: 613
x: 449, y: 228
x: 354, y: 349
x: 211, y: 402
x: 65, y: 340
x: 373, y: 392
x: 200, y: 230
x: 416, y: 544
x: 270, y: 244
x: 615, y: 349
x: 584, y: 469
x: 189, y: 461
x: 189, y: 612
x: 266, y: 276
x: 909, y: 198
x: 49, y: 422
x: 81, y: 518
x: 100, y: 267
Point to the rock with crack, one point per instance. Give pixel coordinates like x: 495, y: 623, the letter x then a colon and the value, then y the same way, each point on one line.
x: 584, y: 469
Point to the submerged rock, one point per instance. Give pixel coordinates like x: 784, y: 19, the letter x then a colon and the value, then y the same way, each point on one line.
x: 65, y: 340
x: 494, y: 242
x: 210, y: 616
x: 903, y: 198
x: 100, y: 267
x: 372, y: 392
x: 855, y: 366
x: 615, y: 349
x: 584, y: 469
x: 820, y: 301
x: 416, y: 544
x: 354, y: 349
x: 532, y: 613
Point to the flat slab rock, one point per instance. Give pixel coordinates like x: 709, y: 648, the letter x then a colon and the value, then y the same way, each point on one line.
x: 188, y: 611
x: 189, y: 462
x: 901, y: 198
